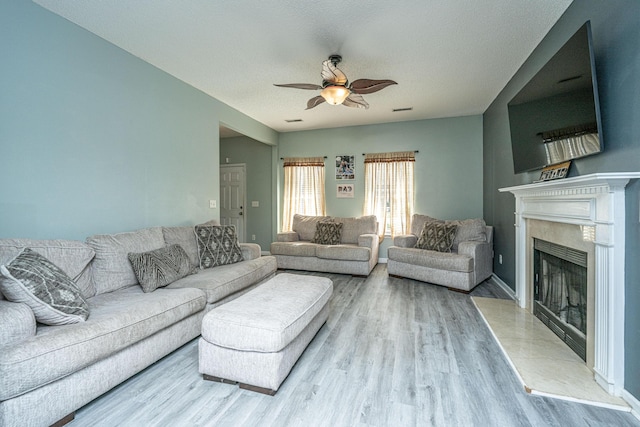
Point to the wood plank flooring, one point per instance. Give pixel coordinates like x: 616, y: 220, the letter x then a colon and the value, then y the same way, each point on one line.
x: 394, y: 352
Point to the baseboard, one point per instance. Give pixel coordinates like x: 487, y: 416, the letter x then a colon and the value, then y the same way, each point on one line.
x: 498, y: 281
x: 633, y: 402
x: 265, y: 253
x: 382, y: 260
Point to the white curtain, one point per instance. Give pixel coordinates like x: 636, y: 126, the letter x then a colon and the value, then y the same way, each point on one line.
x: 303, y: 188
x: 389, y: 190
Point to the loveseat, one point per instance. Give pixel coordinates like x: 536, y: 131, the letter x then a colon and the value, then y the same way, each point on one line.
x: 48, y: 372
x: 353, y: 251
x: 460, y: 260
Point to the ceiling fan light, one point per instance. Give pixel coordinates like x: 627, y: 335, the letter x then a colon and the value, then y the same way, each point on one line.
x: 335, y: 94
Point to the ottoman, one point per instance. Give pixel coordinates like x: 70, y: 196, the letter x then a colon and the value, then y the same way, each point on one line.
x: 256, y: 339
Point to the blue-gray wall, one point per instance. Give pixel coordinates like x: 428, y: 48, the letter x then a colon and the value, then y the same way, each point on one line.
x: 259, y: 169
x: 448, y: 170
x: 616, y: 36
x: 96, y: 140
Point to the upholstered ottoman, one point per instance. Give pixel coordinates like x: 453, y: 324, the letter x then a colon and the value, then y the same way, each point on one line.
x: 256, y: 339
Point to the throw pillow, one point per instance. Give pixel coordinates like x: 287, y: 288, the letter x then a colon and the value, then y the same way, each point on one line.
x: 328, y: 233
x: 160, y: 267
x: 437, y: 236
x: 32, y: 279
x: 217, y: 245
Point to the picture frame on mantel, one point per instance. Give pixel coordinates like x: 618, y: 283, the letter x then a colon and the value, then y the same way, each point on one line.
x: 552, y: 172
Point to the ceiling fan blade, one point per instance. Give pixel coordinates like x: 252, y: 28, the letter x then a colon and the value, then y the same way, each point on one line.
x: 308, y: 86
x: 314, y: 102
x: 365, y: 86
x: 330, y: 73
x: 355, y: 100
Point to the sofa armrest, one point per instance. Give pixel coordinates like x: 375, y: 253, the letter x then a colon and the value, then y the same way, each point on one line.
x: 405, y: 240
x: 482, y: 254
x: 368, y: 240
x: 250, y: 251
x: 18, y: 322
x: 288, y: 236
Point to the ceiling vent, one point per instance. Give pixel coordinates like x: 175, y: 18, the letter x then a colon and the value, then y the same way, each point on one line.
x: 397, y: 110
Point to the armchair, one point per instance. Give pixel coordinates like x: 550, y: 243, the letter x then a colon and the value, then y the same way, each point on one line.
x: 469, y: 262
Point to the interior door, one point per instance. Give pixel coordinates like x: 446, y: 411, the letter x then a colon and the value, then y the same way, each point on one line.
x: 232, y: 197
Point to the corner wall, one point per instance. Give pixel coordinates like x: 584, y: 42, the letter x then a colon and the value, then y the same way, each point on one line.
x: 95, y: 140
x: 615, y: 34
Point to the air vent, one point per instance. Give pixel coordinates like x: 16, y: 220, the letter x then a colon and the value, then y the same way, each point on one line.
x: 293, y: 120
x: 396, y: 110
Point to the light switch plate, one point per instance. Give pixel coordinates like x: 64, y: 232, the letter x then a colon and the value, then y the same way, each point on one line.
x: 212, y: 204
x: 255, y: 204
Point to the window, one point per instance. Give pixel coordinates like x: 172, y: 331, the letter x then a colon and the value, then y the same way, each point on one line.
x: 303, y: 188
x: 389, y: 190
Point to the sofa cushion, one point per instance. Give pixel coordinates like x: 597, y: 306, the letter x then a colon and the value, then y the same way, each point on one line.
x: 432, y: 259
x: 185, y: 237
x: 305, y: 225
x: 32, y: 279
x: 71, y: 256
x: 217, y: 245
x: 344, y: 252
x: 18, y: 323
x: 469, y: 230
x: 118, y: 320
x: 225, y: 280
x: 418, y: 221
x: 327, y: 233
x: 270, y: 316
x: 293, y: 248
x: 159, y: 267
x: 111, y: 267
x: 437, y: 236
x: 354, y: 227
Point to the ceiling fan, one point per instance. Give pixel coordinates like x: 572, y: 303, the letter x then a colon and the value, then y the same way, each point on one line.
x: 336, y: 89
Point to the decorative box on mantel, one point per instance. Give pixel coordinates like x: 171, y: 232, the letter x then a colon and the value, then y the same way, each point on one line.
x: 597, y: 203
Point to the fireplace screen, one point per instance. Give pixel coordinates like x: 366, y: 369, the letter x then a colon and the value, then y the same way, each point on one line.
x: 560, y: 292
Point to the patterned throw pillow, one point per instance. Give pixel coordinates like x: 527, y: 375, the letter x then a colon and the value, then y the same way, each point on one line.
x: 217, y: 245
x: 34, y: 280
x: 328, y: 233
x: 160, y: 267
x: 437, y: 236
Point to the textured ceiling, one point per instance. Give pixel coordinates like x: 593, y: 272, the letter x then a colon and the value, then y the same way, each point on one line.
x: 450, y: 58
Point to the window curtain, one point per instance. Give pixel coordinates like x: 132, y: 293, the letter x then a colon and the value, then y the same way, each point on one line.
x: 303, y: 188
x: 389, y: 192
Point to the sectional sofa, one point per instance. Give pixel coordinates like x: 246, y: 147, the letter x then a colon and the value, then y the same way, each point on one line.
x: 48, y: 372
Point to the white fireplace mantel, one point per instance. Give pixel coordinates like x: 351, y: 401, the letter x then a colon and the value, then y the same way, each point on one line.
x: 596, y: 200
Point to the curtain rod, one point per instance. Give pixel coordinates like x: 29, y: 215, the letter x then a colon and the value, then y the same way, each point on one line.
x: 415, y: 151
x: 282, y: 158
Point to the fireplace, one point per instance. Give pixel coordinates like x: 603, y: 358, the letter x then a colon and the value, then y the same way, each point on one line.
x: 560, y: 292
x: 594, y: 203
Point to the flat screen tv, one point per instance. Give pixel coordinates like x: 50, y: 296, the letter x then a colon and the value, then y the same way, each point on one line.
x: 556, y: 115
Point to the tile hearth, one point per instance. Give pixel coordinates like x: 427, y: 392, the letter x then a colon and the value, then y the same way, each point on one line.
x: 543, y: 363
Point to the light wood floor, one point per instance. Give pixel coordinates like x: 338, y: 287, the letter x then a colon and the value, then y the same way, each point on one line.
x: 394, y: 352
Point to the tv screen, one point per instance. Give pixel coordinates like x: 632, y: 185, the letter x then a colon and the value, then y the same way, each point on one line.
x: 556, y: 115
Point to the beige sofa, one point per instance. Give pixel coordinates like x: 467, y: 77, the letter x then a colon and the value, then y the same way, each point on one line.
x: 468, y: 264
x: 48, y: 372
x: 356, y: 254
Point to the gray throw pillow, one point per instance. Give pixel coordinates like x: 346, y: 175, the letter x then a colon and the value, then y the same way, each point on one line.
x: 32, y: 279
x: 437, y: 236
x: 217, y: 245
x: 328, y: 233
x: 160, y: 267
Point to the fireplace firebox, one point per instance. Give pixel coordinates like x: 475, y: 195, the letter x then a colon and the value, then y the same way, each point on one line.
x: 560, y: 292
